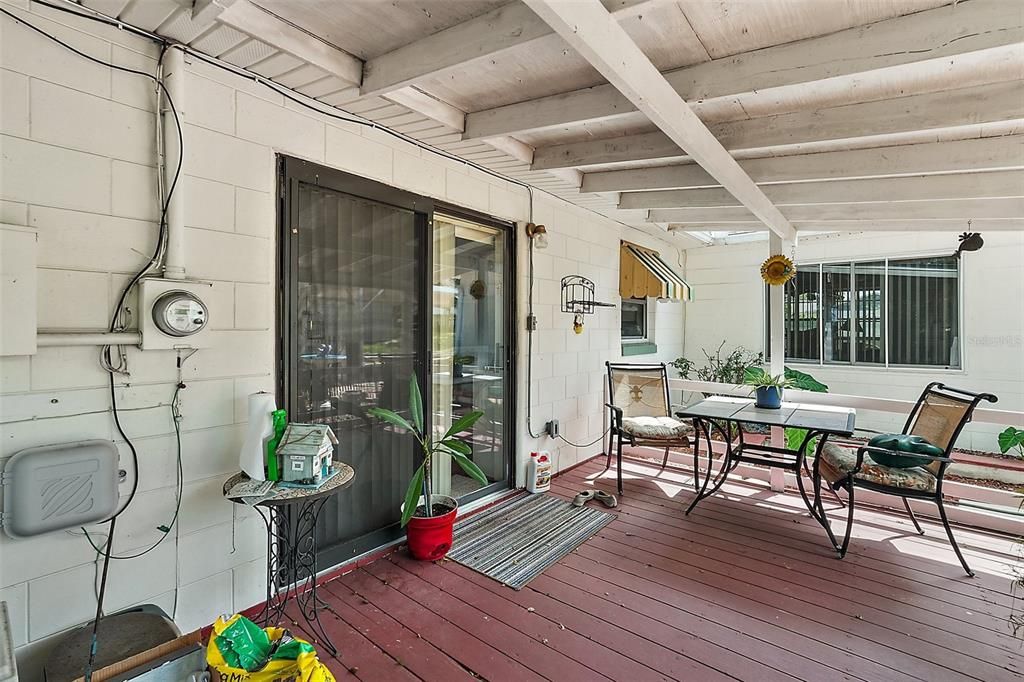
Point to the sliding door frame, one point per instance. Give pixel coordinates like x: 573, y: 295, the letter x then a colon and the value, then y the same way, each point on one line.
x: 291, y: 172
x: 509, y: 436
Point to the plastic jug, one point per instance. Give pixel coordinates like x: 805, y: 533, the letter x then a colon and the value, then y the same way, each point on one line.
x: 538, y: 472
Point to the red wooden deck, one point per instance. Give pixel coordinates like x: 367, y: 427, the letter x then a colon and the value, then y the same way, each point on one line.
x: 745, y: 588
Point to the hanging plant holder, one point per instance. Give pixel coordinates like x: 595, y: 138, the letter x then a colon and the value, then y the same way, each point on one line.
x: 777, y: 270
x: 578, y: 300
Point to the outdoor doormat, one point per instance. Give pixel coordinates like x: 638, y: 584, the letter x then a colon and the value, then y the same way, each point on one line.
x: 513, y: 542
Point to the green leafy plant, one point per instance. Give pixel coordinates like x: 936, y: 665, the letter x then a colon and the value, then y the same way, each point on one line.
x: 792, y: 378
x: 727, y: 369
x: 1012, y: 439
x: 449, y: 445
x: 756, y: 377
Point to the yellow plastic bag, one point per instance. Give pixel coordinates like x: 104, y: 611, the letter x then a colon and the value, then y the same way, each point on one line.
x: 306, y: 668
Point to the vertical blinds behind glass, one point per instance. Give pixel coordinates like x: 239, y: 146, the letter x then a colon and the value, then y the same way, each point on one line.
x: 923, y: 312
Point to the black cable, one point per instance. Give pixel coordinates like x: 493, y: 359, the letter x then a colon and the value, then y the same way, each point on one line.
x: 94, y: 645
x: 584, y: 445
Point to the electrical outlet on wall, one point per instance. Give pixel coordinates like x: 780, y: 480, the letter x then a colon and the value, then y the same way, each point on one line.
x: 551, y: 428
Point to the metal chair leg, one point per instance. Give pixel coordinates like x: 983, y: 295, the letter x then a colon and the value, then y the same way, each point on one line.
x: 618, y: 468
x: 664, y: 462
x: 910, y: 512
x: 608, y: 460
x: 952, y: 540
x: 849, y: 521
x: 695, y: 446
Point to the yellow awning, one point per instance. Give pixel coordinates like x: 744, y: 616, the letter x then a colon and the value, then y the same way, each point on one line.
x: 643, y: 273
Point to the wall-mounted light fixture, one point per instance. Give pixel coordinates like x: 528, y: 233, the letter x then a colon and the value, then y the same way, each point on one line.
x: 538, y: 235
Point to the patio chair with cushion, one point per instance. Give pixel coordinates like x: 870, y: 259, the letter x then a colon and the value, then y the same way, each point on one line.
x: 641, y: 412
x: 910, y: 468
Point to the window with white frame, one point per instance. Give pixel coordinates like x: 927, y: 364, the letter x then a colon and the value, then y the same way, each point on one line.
x: 634, y: 319
x: 886, y: 312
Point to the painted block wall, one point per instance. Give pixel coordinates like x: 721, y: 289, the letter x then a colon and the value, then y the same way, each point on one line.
x: 77, y: 165
x: 728, y: 278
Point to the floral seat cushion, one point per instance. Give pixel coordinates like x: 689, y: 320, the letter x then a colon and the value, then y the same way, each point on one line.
x: 656, y: 428
x: 837, y: 462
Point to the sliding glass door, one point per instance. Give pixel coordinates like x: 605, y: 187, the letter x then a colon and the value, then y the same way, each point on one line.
x: 377, y: 288
x: 470, y: 345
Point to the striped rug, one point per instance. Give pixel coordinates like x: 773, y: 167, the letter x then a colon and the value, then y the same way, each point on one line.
x: 513, y: 542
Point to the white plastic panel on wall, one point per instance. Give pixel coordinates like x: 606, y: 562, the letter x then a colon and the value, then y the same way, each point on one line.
x: 18, y: 246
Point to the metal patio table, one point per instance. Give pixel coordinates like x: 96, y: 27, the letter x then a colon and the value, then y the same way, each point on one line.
x: 719, y: 413
x: 291, y: 519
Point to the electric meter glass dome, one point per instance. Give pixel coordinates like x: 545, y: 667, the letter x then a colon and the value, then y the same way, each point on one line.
x: 179, y: 313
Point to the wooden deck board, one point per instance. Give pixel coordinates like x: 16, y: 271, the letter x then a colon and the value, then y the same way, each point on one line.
x: 745, y: 588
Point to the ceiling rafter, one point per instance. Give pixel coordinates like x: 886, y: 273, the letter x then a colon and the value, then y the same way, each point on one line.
x: 598, y: 37
x: 913, y: 188
x: 973, y: 43
x: 964, y: 209
x: 509, y: 27
x: 905, y: 115
x: 960, y: 156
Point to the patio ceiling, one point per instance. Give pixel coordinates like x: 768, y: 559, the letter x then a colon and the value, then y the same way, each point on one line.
x: 880, y: 114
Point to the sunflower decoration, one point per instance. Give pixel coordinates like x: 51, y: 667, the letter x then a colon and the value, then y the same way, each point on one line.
x: 777, y: 270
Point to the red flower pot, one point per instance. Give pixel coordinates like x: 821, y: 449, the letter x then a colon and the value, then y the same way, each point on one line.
x: 430, y: 537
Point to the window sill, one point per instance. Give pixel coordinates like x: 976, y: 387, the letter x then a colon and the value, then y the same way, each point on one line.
x: 638, y: 348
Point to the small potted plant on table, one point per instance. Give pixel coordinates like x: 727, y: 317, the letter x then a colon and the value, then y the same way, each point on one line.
x: 768, y: 388
x: 428, y: 518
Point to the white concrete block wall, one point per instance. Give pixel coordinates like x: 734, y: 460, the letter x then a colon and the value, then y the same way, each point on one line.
x: 727, y: 278
x: 77, y: 164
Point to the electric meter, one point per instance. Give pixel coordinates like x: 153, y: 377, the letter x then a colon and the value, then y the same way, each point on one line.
x: 179, y: 313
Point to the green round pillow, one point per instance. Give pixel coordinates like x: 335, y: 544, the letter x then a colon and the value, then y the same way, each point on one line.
x: 903, y: 443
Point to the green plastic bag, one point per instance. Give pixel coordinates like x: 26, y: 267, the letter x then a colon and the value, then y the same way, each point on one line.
x: 245, y: 645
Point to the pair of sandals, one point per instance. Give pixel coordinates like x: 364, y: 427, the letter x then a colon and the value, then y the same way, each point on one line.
x: 584, y: 496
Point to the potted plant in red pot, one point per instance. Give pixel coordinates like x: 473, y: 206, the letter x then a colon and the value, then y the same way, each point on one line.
x: 428, y: 518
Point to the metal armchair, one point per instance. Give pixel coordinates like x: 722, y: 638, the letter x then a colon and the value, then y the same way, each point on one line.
x: 939, y: 416
x: 640, y: 411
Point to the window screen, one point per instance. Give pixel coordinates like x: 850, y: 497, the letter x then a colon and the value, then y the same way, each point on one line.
x: 634, y: 318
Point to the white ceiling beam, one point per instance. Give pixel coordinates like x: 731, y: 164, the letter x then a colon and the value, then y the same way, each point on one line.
x: 913, y: 188
x: 995, y: 153
x: 597, y: 36
x: 945, y: 209
x: 506, y: 28
x: 972, y: 43
x: 983, y: 104
x: 930, y: 225
x: 428, y: 105
x: 254, y: 21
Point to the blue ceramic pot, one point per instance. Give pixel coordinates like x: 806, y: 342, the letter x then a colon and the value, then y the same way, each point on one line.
x: 769, y: 397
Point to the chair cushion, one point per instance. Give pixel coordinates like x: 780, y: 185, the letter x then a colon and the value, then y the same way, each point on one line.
x: 656, y: 428
x: 837, y: 462
x: 901, y: 443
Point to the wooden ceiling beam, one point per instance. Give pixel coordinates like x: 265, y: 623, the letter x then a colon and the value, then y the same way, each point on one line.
x: 994, y: 153
x: 597, y: 36
x: 944, y: 209
x: 985, y: 104
x: 506, y: 28
x: 913, y: 188
x: 254, y: 21
x: 929, y: 225
x: 970, y: 43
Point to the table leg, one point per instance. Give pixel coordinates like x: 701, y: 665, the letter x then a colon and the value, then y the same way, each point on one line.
x: 727, y: 464
x: 291, y: 567
x: 818, y: 509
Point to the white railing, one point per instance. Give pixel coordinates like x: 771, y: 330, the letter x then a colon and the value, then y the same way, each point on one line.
x: 859, y: 402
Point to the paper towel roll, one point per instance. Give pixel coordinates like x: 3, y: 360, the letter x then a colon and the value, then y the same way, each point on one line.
x: 261, y: 428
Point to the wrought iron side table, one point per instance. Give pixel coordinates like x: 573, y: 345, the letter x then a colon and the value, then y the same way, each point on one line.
x: 291, y: 520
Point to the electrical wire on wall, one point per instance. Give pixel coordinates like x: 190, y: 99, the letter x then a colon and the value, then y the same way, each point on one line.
x: 115, y: 361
